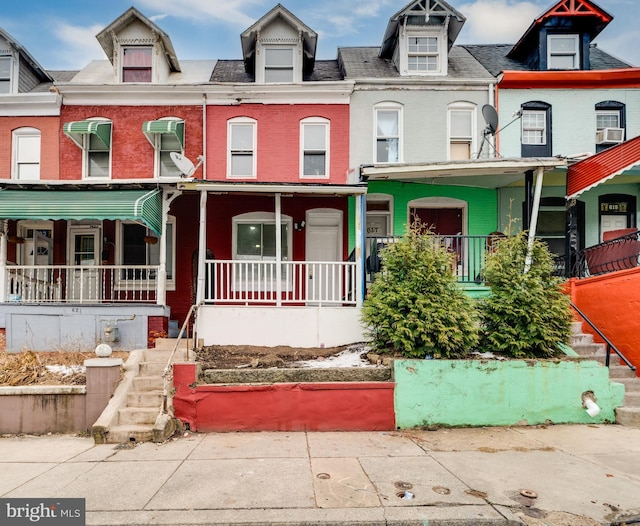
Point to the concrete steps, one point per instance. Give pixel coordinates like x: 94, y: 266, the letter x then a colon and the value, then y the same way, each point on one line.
x: 629, y: 413
x: 140, y: 419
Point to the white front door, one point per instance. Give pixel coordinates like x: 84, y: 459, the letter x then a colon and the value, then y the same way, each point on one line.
x: 83, y: 282
x: 324, y: 244
x: 611, y: 222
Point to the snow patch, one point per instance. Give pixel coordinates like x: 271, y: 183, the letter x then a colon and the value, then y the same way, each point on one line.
x: 351, y: 357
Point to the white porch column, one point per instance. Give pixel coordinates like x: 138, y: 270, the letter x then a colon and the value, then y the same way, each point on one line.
x: 161, y: 297
x: 278, y: 206
x: 3, y: 262
x: 360, y: 255
x: 534, y: 217
x: 202, y: 247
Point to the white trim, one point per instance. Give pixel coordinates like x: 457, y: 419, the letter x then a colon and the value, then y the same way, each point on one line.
x: 467, y: 107
x: 243, y: 121
x: 379, y: 197
x: 575, y: 54
x: 25, y: 132
x: 157, y: 151
x: 388, y: 106
x: 327, y: 146
x: 441, y: 53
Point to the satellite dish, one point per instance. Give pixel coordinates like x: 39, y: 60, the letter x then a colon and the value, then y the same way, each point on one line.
x: 491, y: 118
x: 185, y: 166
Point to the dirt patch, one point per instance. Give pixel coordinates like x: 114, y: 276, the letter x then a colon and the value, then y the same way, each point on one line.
x: 239, y: 356
x: 46, y: 368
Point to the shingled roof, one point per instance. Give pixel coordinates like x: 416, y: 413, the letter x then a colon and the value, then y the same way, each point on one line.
x: 234, y: 71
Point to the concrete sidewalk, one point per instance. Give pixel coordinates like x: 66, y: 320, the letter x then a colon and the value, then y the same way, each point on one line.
x: 545, y: 475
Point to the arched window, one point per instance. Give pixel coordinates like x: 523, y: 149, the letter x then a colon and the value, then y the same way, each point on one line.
x: 26, y: 154
x: 388, y: 133
x: 536, y: 129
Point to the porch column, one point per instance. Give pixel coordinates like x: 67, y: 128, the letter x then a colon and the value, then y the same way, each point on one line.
x: 534, y: 217
x: 161, y: 297
x: 202, y: 247
x: 3, y: 262
x: 278, y: 206
x: 573, y: 243
x: 528, y: 196
x: 360, y: 254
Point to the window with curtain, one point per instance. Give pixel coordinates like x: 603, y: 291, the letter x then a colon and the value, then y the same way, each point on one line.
x: 387, y: 135
x: 136, y: 64
x: 461, y: 123
x: 315, y: 151
x: 5, y: 74
x: 26, y: 154
x: 241, y: 151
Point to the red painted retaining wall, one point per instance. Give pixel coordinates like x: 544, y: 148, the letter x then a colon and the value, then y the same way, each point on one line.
x: 339, y: 406
x: 612, y: 303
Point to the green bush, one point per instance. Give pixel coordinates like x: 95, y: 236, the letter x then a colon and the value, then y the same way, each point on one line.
x: 415, y: 306
x: 527, y: 314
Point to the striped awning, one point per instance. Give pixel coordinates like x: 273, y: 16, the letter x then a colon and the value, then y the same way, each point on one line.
x: 137, y: 205
x: 173, y: 127
x: 78, y: 129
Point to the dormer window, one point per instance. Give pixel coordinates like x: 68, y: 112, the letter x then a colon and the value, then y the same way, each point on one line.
x: 5, y: 74
x: 563, y: 52
x: 136, y: 64
x: 278, y: 64
x: 423, y: 54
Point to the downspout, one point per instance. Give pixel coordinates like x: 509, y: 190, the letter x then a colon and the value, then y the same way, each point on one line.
x: 278, y: 206
x: 3, y: 261
x: 204, y: 136
x: 202, y: 247
x: 534, y: 218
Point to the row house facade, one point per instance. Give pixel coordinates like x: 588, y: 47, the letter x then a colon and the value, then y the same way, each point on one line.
x: 261, y: 189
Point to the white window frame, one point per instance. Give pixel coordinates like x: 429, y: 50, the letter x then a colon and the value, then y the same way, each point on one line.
x: 23, y: 228
x: 8, y: 80
x: 387, y: 214
x: 20, y: 136
x: 536, y: 128
x: 86, y: 153
x: 242, y: 121
x: 266, y: 49
x: 432, y: 52
x: 407, y: 49
x: 608, y: 113
x: 551, y: 54
x: 157, y: 145
x: 263, y: 218
x: 123, y: 67
x: 170, y: 260
x: 305, y: 124
x: 471, y: 137
x: 388, y: 107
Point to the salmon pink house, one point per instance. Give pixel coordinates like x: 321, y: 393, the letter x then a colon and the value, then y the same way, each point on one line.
x: 277, y: 205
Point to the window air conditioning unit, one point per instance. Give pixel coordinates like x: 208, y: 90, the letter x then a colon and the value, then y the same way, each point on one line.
x: 610, y: 136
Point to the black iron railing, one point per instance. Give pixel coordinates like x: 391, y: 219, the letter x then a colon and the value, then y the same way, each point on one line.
x: 617, y: 254
x: 609, y: 346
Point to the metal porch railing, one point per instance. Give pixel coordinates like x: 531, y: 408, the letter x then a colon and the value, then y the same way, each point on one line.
x: 617, y: 254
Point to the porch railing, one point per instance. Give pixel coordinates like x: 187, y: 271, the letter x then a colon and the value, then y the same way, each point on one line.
x: 288, y: 282
x: 617, y: 254
x: 468, y: 255
x: 81, y: 284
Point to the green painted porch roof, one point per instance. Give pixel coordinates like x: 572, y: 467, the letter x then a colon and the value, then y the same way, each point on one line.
x: 136, y: 205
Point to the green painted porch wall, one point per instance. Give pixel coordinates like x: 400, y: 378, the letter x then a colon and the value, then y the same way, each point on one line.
x: 500, y: 393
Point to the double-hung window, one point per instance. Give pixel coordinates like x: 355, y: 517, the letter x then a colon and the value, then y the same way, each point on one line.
x: 423, y: 54
x: 166, y: 135
x: 241, y: 158
x: 278, y: 64
x: 5, y: 74
x: 388, y: 140
x: 563, y: 52
x: 534, y: 127
x: 93, y: 136
x: 26, y: 154
x: 314, y: 138
x: 136, y: 64
x: 461, y: 136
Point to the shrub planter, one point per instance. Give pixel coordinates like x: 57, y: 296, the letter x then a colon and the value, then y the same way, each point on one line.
x: 501, y: 393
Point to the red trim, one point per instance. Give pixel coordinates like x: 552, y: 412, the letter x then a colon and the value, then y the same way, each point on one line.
x: 576, y: 8
x: 592, y: 79
x: 599, y: 167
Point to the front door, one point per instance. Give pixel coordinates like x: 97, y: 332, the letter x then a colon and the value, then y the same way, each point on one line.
x: 83, y: 283
x: 610, y: 222
x: 442, y: 221
x: 323, y: 244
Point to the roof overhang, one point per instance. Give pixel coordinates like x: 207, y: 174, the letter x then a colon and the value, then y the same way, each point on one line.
x: 273, y: 188
x: 144, y: 206
x: 592, y: 79
x: 480, y: 173
x: 601, y: 167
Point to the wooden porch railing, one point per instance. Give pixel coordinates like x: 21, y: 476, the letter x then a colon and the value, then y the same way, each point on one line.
x: 288, y: 282
x: 81, y: 284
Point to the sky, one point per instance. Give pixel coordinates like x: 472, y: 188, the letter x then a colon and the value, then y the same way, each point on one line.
x: 60, y: 35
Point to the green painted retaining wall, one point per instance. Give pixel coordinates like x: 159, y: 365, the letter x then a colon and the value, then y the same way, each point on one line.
x: 498, y: 393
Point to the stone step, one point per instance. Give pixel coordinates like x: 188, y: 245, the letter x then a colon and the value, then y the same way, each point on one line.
x: 152, y: 368
x: 148, y: 383
x: 162, y: 355
x: 137, y: 415
x: 144, y: 399
x: 628, y: 416
x: 630, y: 384
x: 576, y: 327
x: 631, y: 399
x: 169, y: 343
x: 588, y: 349
x: 620, y: 371
x: 580, y: 339
x: 130, y: 434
